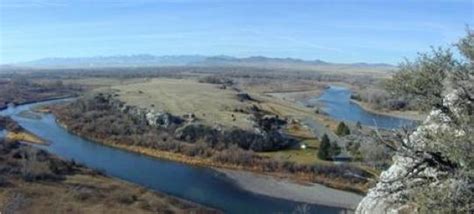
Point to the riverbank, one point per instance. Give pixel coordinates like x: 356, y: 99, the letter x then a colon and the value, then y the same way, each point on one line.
x: 31, y: 101
x: 24, y: 136
x: 295, y: 96
x: 34, y: 181
x: 321, y: 178
x: 409, y: 115
x: 283, y: 188
x: 14, y: 132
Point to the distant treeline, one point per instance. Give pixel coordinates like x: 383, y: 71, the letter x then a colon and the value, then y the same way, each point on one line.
x: 20, y: 90
x: 245, y: 72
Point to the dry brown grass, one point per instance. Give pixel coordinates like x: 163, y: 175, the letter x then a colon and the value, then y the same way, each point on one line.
x: 281, y: 86
x: 214, y: 106
x: 103, y: 82
x: 183, y: 96
x: 24, y: 136
x: 88, y: 194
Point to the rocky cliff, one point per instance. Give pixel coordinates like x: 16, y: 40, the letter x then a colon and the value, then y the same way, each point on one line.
x: 415, y: 167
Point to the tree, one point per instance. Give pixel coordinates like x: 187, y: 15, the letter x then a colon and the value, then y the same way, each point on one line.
x: 342, y: 129
x: 324, y: 148
x: 423, y: 80
x: 327, y: 149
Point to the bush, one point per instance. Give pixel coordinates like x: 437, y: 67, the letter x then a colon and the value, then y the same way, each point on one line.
x: 217, y: 80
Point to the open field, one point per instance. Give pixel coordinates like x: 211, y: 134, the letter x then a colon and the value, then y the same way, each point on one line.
x: 213, y: 105
x: 97, y: 82
x: 281, y: 85
x: 183, y: 96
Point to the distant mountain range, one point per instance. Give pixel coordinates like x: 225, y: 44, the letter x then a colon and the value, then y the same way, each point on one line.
x: 145, y: 60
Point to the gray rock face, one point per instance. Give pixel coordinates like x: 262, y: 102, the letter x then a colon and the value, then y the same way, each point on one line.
x: 152, y: 118
x: 389, y: 193
x: 159, y: 119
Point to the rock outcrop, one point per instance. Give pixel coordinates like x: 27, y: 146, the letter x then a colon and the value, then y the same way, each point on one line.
x: 161, y: 119
x: 152, y: 118
x: 409, y: 172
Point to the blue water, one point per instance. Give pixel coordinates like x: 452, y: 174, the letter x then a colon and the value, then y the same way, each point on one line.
x: 198, y: 184
x: 337, y: 104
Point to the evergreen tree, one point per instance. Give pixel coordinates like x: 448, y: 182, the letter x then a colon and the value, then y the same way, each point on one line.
x: 324, y: 148
x: 327, y: 149
x: 342, y: 129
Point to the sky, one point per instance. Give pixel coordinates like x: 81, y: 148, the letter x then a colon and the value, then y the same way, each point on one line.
x: 337, y: 31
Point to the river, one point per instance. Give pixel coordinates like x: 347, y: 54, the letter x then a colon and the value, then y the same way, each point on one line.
x: 202, y: 185
x: 337, y: 104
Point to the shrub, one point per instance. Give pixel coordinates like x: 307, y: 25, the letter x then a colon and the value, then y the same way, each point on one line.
x: 217, y: 80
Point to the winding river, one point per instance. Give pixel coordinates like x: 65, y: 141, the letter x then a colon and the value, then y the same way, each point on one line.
x: 202, y: 185
x: 337, y: 104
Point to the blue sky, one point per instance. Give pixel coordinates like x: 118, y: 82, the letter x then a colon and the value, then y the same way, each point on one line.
x: 337, y: 31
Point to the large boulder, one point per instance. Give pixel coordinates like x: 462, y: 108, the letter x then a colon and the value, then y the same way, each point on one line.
x: 161, y: 119
x: 410, y: 173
